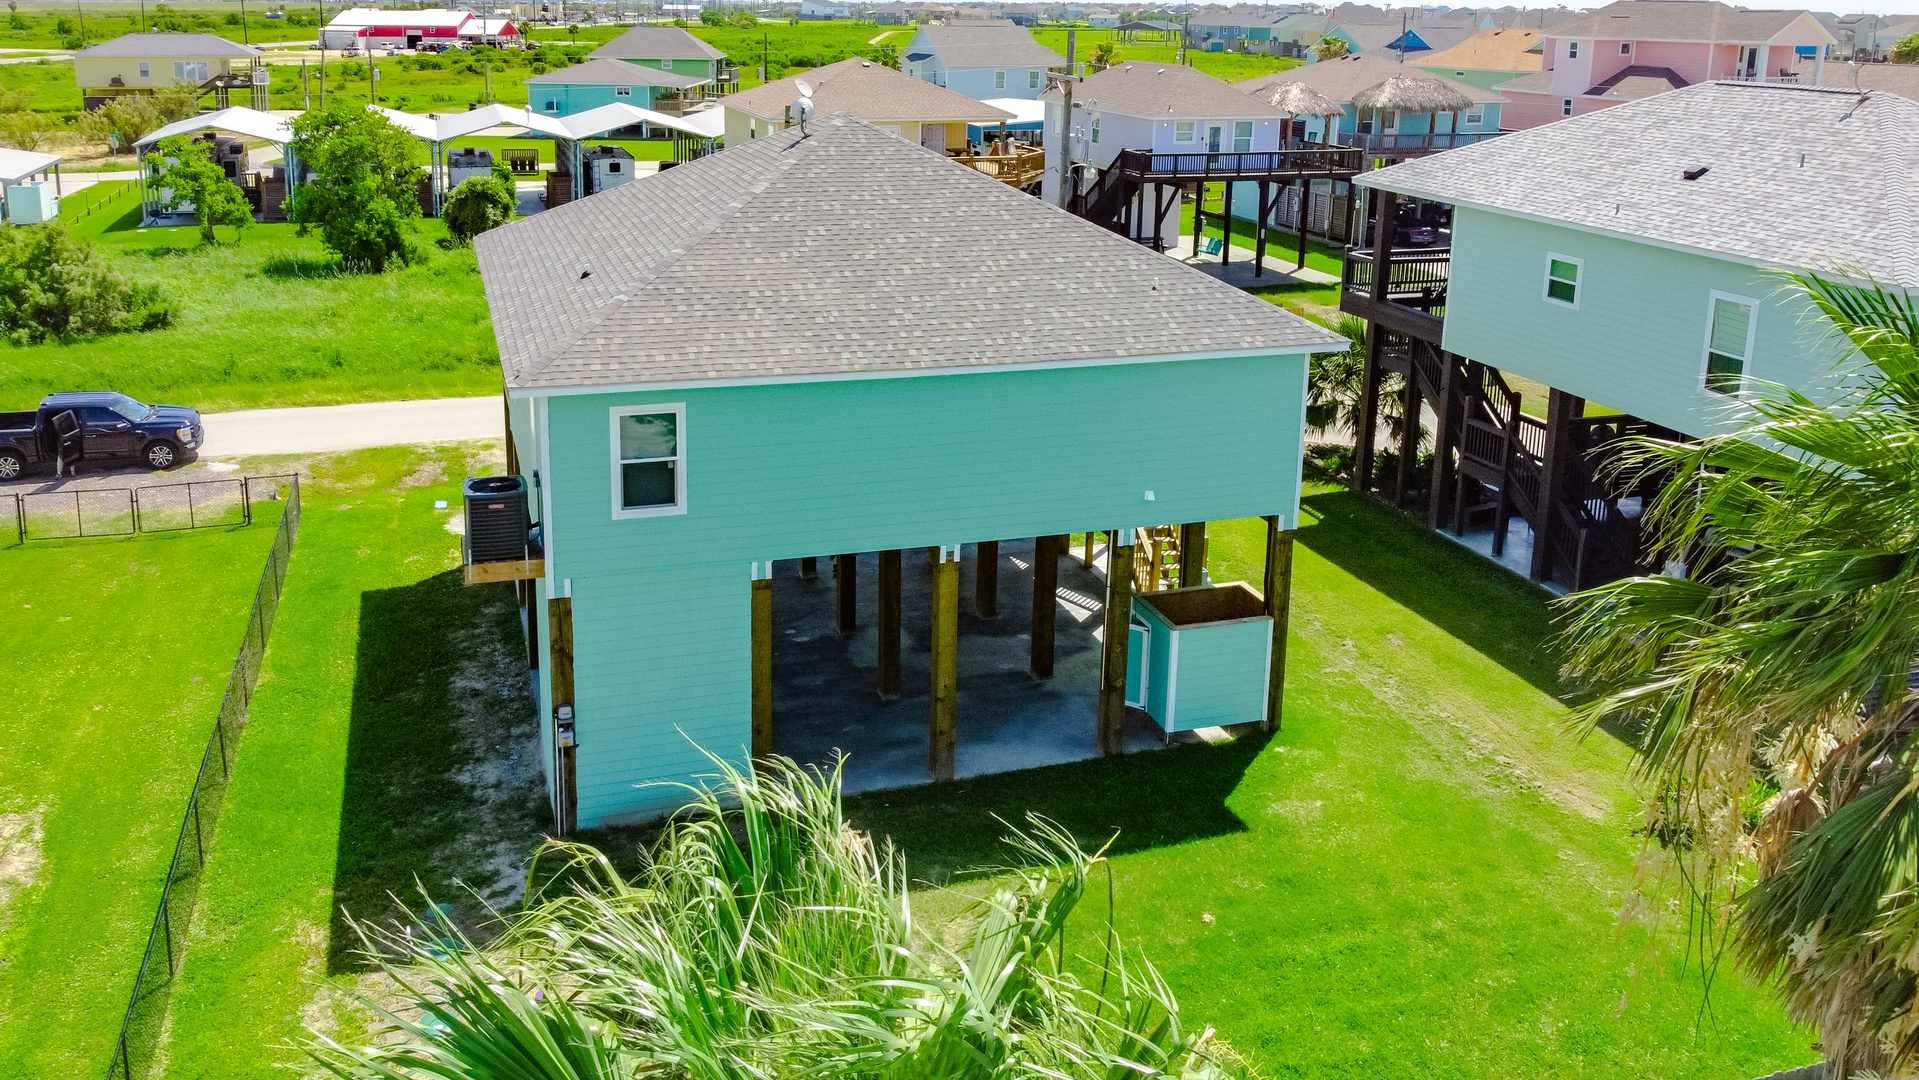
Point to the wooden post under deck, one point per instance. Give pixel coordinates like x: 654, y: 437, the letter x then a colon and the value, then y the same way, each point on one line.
x: 889, y: 626
x: 1410, y: 408
x: 762, y: 667
x: 1087, y: 560
x: 941, y: 727
x: 1117, y: 628
x: 1561, y: 410
x: 566, y: 803
x: 986, y: 579
x: 1368, y: 434
x: 846, y: 573
x: 1045, y: 603
x: 1192, y: 554
x: 1445, y: 431
x: 1279, y: 605
x: 1305, y: 196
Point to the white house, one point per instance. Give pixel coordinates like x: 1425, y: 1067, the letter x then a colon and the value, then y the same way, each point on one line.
x: 1163, y: 108
x: 813, y: 9
x: 986, y: 58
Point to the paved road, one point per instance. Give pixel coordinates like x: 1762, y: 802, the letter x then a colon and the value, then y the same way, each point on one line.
x: 350, y: 427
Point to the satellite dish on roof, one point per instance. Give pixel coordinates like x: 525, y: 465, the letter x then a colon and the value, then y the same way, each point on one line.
x: 803, y: 108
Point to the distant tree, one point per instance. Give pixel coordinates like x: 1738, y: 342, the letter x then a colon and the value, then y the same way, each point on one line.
x: 54, y: 285
x: 745, y: 20
x: 1105, y: 55
x: 1905, y: 50
x: 28, y: 130
x: 1329, y: 48
x: 187, y: 170
x: 573, y: 29
x: 131, y: 118
x: 711, y: 17
x: 177, y: 102
x: 478, y: 204
x: 362, y: 196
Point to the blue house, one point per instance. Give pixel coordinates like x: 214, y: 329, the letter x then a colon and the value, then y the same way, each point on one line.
x: 982, y: 58
x: 594, y: 83
x: 755, y: 360
x: 1628, y: 262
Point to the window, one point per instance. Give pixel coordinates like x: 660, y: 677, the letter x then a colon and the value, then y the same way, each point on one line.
x: 622, y: 91
x: 146, y: 70
x: 552, y: 105
x: 999, y: 80
x: 190, y: 71
x: 1032, y: 79
x: 649, y: 458
x: 1566, y: 107
x: 1095, y: 123
x: 1184, y: 131
x: 1731, y: 322
x: 613, y: 168
x: 1476, y: 118
x: 1625, y: 48
x: 1242, y: 136
x: 1562, y: 279
x: 1572, y: 50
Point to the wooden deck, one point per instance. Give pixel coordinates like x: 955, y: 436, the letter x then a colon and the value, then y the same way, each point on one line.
x: 1287, y: 166
x: 1414, y: 303
x: 1021, y: 169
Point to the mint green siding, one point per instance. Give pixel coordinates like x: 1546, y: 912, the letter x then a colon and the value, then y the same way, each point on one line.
x: 660, y: 604
x: 561, y: 99
x: 698, y: 69
x: 1206, y: 675
x: 1636, y: 341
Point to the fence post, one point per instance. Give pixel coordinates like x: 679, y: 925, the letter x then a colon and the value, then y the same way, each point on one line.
x: 246, y: 502
x: 192, y: 523
x: 133, y: 499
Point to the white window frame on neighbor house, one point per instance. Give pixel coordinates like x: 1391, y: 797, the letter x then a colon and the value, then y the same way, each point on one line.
x: 621, y: 511
x: 1242, y: 144
x: 1625, y: 48
x: 553, y: 105
x: 1094, y: 122
x: 1572, y: 50
x: 146, y: 69
x: 185, y: 70
x: 1185, y: 131
x: 1578, y: 281
x: 622, y: 91
x: 1032, y: 79
x: 1752, y: 336
x: 1565, y: 106
x: 1476, y: 117
x: 999, y: 80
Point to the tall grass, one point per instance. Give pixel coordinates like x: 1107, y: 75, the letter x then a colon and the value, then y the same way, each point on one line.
x: 766, y: 938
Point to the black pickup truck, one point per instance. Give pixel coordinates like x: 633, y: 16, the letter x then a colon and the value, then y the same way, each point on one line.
x: 96, y: 426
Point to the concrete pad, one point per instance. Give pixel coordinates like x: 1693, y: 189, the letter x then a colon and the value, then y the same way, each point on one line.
x: 1279, y: 270
x: 352, y: 427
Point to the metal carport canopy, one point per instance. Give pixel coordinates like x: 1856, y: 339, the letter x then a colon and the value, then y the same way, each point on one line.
x: 18, y: 165
x: 239, y: 119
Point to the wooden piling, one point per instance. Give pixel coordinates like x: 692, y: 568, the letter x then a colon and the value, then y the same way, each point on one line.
x: 846, y: 584
x: 566, y: 802
x: 1279, y: 605
x: 942, y: 729
x: 986, y: 579
x: 809, y: 568
x: 1045, y: 604
x: 1117, y: 628
x: 1192, y: 554
x: 889, y: 626
x: 762, y: 667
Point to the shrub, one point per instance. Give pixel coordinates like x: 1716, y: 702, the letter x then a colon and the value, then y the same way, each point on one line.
x: 1905, y: 50
x: 478, y: 204
x: 187, y: 169
x: 362, y: 195
x: 54, y: 285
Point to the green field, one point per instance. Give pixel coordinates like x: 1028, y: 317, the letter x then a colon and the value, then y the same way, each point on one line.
x: 71, y: 26
x: 267, y: 321
x: 1232, y: 67
x: 381, y: 748
x: 119, y: 651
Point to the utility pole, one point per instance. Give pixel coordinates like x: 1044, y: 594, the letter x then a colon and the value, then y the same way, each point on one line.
x: 306, y: 92
x: 372, y: 76
x: 83, y: 24
x: 243, y: 23
x: 1066, y: 128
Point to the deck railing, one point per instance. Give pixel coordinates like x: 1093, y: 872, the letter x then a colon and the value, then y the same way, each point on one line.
x: 1022, y: 167
x: 1289, y: 164
x: 1417, y: 274
x: 1393, y: 142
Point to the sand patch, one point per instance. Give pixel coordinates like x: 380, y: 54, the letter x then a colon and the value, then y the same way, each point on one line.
x: 21, y: 837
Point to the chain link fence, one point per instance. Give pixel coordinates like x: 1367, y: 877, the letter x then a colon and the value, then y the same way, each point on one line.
x: 146, y: 1009
x: 78, y: 512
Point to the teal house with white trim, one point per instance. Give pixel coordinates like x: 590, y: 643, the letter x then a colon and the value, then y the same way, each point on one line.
x: 594, y: 83
x: 834, y: 341
x: 1630, y: 263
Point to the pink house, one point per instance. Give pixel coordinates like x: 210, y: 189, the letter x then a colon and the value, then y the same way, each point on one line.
x: 1637, y: 48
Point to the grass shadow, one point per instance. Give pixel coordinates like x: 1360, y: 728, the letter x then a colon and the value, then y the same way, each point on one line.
x: 425, y: 722
x: 1466, y: 595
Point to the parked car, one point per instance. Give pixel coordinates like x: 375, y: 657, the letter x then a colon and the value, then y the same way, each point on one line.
x: 97, y: 426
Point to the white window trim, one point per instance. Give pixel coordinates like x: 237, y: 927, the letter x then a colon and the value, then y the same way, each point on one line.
x: 146, y: 69
x: 1752, y: 338
x: 1625, y: 48
x: 1579, y: 283
x: 1192, y: 131
x: 999, y: 80
x: 622, y: 91
x: 1475, y: 118
x: 1572, y: 50
x: 1248, y: 136
x: 1032, y: 79
x: 621, y: 511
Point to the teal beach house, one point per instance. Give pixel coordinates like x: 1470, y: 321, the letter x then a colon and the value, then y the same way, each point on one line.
x: 1627, y: 266
x: 606, y: 82
x: 821, y: 345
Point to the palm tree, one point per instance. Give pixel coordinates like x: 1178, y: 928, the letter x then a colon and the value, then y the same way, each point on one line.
x: 1105, y: 55
x: 1336, y: 388
x: 1775, y: 683
x: 766, y: 938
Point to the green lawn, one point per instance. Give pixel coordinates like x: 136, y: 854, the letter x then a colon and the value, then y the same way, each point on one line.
x: 38, y: 24
x: 1280, y: 243
x: 118, y: 653
x: 1232, y: 67
x: 378, y: 750
x: 266, y: 322
x: 1419, y: 876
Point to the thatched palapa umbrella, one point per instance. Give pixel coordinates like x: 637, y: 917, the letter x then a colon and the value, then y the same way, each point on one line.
x: 1297, y: 99
x: 1413, y: 94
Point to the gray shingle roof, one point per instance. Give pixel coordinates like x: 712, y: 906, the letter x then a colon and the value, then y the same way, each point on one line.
x: 191, y: 46
x: 1677, y: 20
x: 1797, y: 176
x: 845, y: 251
x: 656, y: 43
x: 1133, y: 88
x: 986, y: 43
x: 872, y: 92
x: 614, y: 73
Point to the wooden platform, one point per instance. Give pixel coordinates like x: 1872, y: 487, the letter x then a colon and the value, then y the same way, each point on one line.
x: 509, y: 570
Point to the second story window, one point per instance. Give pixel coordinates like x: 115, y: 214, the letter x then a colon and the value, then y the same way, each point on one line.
x: 1095, y: 123
x: 1184, y: 131
x: 146, y: 70
x: 1032, y: 79
x: 1572, y: 50
x: 1625, y: 48
x: 1566, y: 107
x: 1562, y: 279
x: 1242, y: 136
x: 999, y: 80
x: 1476, y: 118
x: 622, y: 91
x: 1730, y: 328
x: 649, y: 461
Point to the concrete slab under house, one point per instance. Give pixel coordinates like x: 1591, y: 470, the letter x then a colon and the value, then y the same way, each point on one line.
x: 833, y: 350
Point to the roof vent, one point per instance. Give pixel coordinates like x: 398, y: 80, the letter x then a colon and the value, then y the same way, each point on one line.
x: 1694, y: 174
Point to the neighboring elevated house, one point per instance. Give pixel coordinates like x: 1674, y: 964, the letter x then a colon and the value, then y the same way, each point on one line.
x: 988, y: 58
x: 1628, y: 259
x: 897, y: 104
x: 1638, y: 48
x: 143, y: 63
x: 1489, y: 58
x: 595, y: 83
x: 814, y: 9
x: 754, y: 359
x: 669, y: 48
x: 378, y: 28
x: 1384, y: 134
